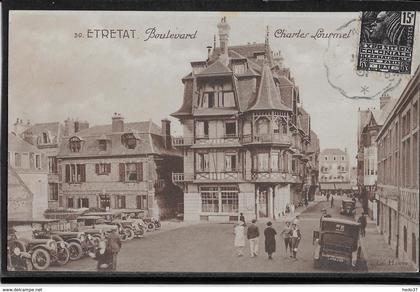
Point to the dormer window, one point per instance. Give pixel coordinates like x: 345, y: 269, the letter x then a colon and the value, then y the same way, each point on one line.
x: 75, y: 144
x: 102, y: 145
x: 129, y: 140
x: 45, y: 138
x: 239, y: 66
x: 218, y: 98
x: 259, y: 55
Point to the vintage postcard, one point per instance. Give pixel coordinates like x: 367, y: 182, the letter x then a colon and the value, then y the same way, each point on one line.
x: 233, y: 142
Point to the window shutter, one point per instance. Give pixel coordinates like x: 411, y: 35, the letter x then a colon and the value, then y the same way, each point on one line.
x: 67, y: 173
x: 97, y: 168
x: 140, y: 171
x: 82, y: 173
x: 122, y: 172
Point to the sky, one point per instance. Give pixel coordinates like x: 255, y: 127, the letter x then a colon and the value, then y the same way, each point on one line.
x: 54, y: 75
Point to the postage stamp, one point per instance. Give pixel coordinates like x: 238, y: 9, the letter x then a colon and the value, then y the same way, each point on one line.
x: 386, y: 41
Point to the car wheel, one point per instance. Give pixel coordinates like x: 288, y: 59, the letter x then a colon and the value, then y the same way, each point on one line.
x: 129, y: 233
x: 18, y: 244
x: 75, y: 251
x: 41, y: 259
x: 123, y: 235
x: 150, y: 227
x: 63, y: 256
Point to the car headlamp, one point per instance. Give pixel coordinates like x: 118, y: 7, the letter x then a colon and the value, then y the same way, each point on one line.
x: 62, y: 244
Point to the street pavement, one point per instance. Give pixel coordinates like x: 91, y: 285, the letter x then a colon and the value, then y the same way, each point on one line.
x: 208, y: 247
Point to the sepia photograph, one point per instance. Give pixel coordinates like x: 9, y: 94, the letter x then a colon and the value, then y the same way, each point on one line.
x: 213, y: 142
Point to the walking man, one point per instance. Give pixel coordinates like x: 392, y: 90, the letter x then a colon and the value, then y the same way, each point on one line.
x: 332, y: 201
x: 270, y: 240
x: 239, y: 238
x: 253, y: 234
x: 286, y: 236
x: 115, y: 246
x: 363, y: 222
x: 296, y: 236
x: 242, y: 218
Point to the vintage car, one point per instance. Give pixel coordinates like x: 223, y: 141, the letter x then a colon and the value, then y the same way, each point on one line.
x: 27, y: 235
x: 338, y: 242
x: 136, y: 216
x: 95, y: 226
x: 348, y: 207
x: 76, y: 241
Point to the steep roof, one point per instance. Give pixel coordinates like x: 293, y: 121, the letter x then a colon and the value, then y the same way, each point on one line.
x: 333, y: 151
x: 304, y: 120
x: 147, y: 133
x: 217, y: 68
x: 17, y: 144
x: 53, y: 127
x: 268, y: 96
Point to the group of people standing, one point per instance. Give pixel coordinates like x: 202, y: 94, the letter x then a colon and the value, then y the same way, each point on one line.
x: 106, y: 252
x: 291, y: 235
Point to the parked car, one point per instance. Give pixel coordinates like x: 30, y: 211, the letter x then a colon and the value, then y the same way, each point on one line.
x: 76, y: 243
x: 338, y: 241
x: 43, y: 251
x: 348, y: 207
x: 136, y: 216
x: 95, y: 226
x: 17, y: 257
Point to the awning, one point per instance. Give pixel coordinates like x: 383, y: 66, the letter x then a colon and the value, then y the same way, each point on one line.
x: 326, y: 186
x: 342, y: 186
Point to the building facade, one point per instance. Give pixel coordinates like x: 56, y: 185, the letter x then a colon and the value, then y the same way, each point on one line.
x: 334, y: 170
x: 398, y: 174
x: 28, y: 179
x: 120, y: 166
x: 245, y: 137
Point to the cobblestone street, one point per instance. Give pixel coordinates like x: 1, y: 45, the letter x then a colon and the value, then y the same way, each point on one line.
x: 209, y: 248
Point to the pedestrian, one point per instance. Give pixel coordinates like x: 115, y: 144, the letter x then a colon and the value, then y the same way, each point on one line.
x: 306, y: 202
x: 286, y: 237
x: 363, y: 222
x: 328, y: 197
x: 114, y: 243
x: 332, y: 201
x: 242, y: 218
x: 239, y: 241
x: 295, y: 236
x: 270, y: 240
x: 103, y: 256
x: 253, y: 235
x: 292, y: 208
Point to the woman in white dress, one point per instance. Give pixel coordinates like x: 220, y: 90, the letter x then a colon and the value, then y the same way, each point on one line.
x: 239, y: 241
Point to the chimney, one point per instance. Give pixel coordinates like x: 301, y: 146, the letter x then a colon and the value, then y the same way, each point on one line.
x: 19, y: 126
x: 224, y: 29
x: 117, y: 123
x: 166, y: 133
x: 208, y: 52
x: 383, y: 100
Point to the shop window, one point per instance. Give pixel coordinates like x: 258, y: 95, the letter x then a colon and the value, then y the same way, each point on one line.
x: 209, y: 199
x: 229, y: 199
x: 75, y: 144
x: 141, y: 202
x: 103, y: 168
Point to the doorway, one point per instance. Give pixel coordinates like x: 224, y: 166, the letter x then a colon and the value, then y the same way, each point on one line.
x: 263, y: 203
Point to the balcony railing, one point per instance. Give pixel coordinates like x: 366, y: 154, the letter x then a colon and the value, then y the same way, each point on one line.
x: 225, y: 175
x: 180, y: 177
x: 266, y: 138
x: 226, y: 139
x: 182, y: 141
x: 278, y: 176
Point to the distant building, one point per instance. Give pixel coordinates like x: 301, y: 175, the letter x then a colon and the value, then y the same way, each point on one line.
x: 29, y: 170
x: 398, y: 174
x: 353, y: 178
x: 47, y: 138
x: 120, y: 165
x: 245, y: 137
x: 334, y: 170
x: 371, y: 121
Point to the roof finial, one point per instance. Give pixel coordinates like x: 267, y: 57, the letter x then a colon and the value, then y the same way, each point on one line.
x: 267, y: 47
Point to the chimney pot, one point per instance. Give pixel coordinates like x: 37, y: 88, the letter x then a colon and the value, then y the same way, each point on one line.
x: 117, y: 123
